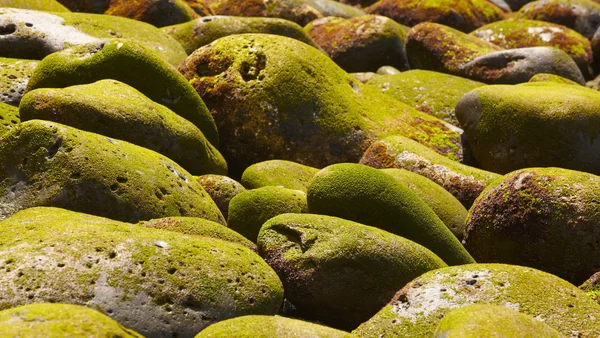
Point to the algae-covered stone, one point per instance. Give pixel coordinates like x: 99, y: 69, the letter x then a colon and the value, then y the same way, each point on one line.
x: 159, y: 13
x: 481, y: 320
x: 281, y: 173
x: 38, y: 5
x: 269, y: 327
x: 9, y: 118
x: 337, y: 271
x: 416, y: 310
x: 592, y: 287
x: 34, y: 35
x: 445, y: 206
x: 580, y: 15
x: 540, y: 124
x: 462, y: 15
x: 366, y: 195
x: 200, y: 227
x: 221, y: 189
x: 49, y: 164
x: 361, y: 44
x: 58, y: 321
x: 545, y: 218
x: 300, y: 11
x: 273, y: 97
x: 114, y: 109
x: 249, y: 210
x: 430, y: 92
x: 200, y: 32
x: 157, y: 282
x: 126, y: 61
x: 532, y: 33
x: 462, y: 181
x: 545, y: 77
x: 14, y: 77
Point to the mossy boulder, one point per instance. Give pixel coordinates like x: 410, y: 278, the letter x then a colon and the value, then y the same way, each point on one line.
x: 14, y: 77
x: 248, y: 211
x: 462, y: 181
x: 199, y: 227
x: 286, y: 174
x: 125, y: 61
x: 580, y: 15
x: 200, y: 32
x: 159, y: 13
x: 221, y: 189
x: 592, y: 287
x: 34, y: 35
x: 156, y: 282
x: 515, y: 33
x: 416, y: 310
x: 199, y: 7
x: 433, y: 93
x: 60, y: 320
x: 269, y: 327
x: 462, y: 15
x: 366, y: 195
x: 38, y: 5
x: 49, y: 164
x: 540, y: 124
x: 545, y: 218
x: 114, y: 109
x: 361, y: 44
x: 445, y: 206
x: 274, y: 97
x: 299, y: 11
x: 322, y: 260
x: 481, y: 320
x: 9, y: 118
x: 545, y: 77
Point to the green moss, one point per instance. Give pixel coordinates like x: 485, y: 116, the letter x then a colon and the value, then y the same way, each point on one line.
x: 322, y: 259
x: 491, y: 320
x: 183, y: 282
x: 9, y: 118
x: 445, y: 206
x: 59, y: 320
x: 39, y: 5
x: 250, y: 209
x: 369, y: 196
x: 125, y: 61
x: 281, y: 173
x: 221, y: 189
x: 564, y: 12
x: 545, y: 77
x: 114, y: 109
x: 13, y: 79
x: 416, y: 309
x: 95, y: 174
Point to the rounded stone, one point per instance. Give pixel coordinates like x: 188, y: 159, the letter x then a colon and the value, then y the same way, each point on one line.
x: 580, y: 15
x: 158, y: 13
x: 279, y: 173
x: 38, y: 5
x: 221, y: 189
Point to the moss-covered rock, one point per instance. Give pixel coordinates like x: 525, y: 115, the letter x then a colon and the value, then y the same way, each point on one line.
x: 9, y: 118
x: 114, y: 109
x: 546, y: 218
x: 249, y: 210
x: 532, y: 33
x: 430, y: 92
x: 86, y: 6
x: 14, y: 77
x: 416, y: 309
x: 154, y: 281
x: 322, y: 260
x: 34, y: 35
x: 199, y: 227
x: 592, y: 287
x: 445, y: 206
x: 125, y: 61
x: 49, y: 164
x: 269, y: 327
x: 539, y: 124
x: 273, y: 97
x: 300, y: 11
x: 580, y: 15
x: 58, y: 321
x: 462, y: 181
x: 200, y: 32
x: 361, y: 44
x: 281, y: 173
x: 199, y: 7
x: 481, y: 320
x: 221, y: 189
x: 363, y: 194
x: 159, y: 13
x: 545, y: 77
x: 38, y: 5
x: 462, y: 15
